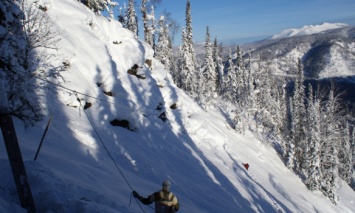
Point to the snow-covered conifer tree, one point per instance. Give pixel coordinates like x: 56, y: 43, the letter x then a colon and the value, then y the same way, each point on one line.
x: 239, y: 59
x: 132, y: 20
x: 289, y: 142
x: 148, y: 23
x: 278, y: 112
x: 219, y: 66
x: 188, y: 70
x: 299, y: 118
x: 311, y: 165
x: 145, y: 20
x: 164, y: 51
x: 329, y: 150
x: 286, y: 122
x: 345, y: 154
x: 186, y: 80
x: 248, y: 103
x: 239, y: 69
x: 209, y: 72
x: 230, y: 84
x: 189, y: 33
x: 267, y: 99
x: 151, y: 28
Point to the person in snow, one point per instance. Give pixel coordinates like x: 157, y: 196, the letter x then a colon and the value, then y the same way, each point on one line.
x: 246, y: 165
x: 165, y: 200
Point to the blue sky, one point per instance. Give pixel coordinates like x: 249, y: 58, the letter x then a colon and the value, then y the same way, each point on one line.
x: 249, y: 20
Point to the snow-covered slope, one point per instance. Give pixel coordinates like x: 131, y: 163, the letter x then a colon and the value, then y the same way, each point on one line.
x: 94, y: 168
x: 308, y: 30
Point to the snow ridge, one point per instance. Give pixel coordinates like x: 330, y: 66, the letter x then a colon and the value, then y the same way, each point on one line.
x: 308, y: 30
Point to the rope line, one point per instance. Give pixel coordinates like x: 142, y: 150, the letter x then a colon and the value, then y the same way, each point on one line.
x: 74, y: 91
x: 109, y: 154
x: 93, y: 126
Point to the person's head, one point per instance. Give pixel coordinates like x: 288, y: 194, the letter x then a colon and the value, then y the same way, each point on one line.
x: 166, y: 185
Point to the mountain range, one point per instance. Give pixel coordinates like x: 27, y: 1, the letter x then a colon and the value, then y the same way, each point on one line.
x: 325, y: 54
x: 308, y: 30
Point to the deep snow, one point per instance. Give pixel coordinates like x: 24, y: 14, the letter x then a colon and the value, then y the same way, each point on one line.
x: 196, y: 150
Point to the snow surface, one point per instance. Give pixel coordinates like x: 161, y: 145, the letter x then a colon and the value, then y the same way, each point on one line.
x: 308, y: 30
x: 338, y: 63
x: 196, y: 150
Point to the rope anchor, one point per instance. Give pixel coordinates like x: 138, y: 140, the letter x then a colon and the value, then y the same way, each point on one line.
x: 78, y: 99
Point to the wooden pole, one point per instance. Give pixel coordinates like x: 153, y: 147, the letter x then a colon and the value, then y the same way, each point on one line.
x: 44, y: 134
x: 14, y: 154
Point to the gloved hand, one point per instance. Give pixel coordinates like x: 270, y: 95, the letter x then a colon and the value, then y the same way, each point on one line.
x: 136, y: 195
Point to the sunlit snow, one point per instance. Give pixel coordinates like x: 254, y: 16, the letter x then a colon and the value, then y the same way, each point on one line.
x: 196, y: 150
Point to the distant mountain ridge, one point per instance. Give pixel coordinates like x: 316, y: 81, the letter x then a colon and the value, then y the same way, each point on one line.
x: 330, y: 53
x: 308, y: 30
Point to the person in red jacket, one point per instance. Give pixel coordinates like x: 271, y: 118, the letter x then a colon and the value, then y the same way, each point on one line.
x: 165, y: 200
x: 246, y: 165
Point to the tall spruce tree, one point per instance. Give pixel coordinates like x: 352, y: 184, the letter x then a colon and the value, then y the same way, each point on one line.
x: 329, y: 150
x: 239, y: 69
x: 249, y: 90
x: 148, y: 18
x: 188, y: 69
x: 189, y: 33
x: 209, y: 72
x: 151, y: 28
x: 218, y: 66
x: 132, y: 20
x: 299, y: 118
x: 230, y: 81
x: 312, y: 152
x: 285, y: 121
x: 279, y: 108
x: 289, y: 144
x: 145, y: 20
x: 164, y: 49
x: 345, y: 154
